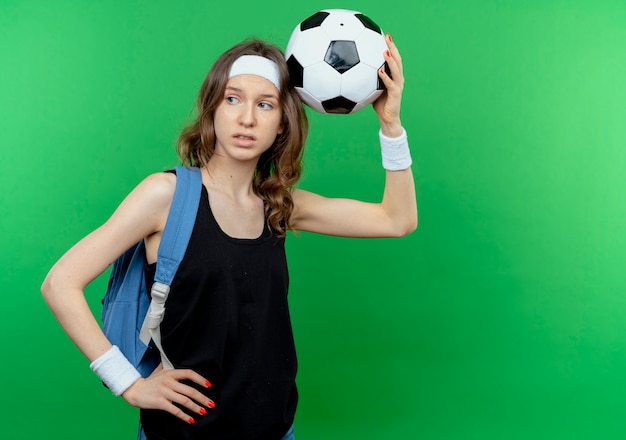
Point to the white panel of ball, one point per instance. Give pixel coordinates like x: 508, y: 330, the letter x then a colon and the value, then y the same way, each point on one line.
x: 311, y: 101
x: 341, y: 24
x: 312, y: 46
x: 357, y: 83
x: 322, y: 81
x: 371, y: 47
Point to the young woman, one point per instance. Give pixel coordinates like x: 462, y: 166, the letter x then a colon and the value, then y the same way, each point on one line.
x: 227, y: 329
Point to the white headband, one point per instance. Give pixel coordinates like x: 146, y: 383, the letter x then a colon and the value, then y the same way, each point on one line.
x: 256, y: 65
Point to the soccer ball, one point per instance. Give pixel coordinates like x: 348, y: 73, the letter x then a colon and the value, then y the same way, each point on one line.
x: 334, y: 57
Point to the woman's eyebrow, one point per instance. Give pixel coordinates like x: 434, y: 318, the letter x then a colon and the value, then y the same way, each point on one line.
x: 262, y: 95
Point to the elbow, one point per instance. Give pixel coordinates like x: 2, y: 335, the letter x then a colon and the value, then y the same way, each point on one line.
x: 52, y: 290
x: 406, y: 227
x: 412, y: 226
x: 47, y: 287
x: 50, y: 287
x: 409, y: 228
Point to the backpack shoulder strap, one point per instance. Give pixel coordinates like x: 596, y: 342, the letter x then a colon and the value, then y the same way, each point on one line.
x: 178, y: 227
x: 179, y: 224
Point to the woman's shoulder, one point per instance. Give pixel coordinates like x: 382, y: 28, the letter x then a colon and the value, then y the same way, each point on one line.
x: 151, y: 197
x: 158, y: 187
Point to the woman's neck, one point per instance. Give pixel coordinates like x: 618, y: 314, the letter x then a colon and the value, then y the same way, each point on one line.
x: 232, y: 178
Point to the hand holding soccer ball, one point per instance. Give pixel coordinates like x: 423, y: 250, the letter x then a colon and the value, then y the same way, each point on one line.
x: 387, y: 106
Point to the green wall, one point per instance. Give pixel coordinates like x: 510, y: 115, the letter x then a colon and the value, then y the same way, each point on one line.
x: 502, y: 317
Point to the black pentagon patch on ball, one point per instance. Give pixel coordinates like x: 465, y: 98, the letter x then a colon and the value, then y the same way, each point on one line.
x: 342, y: 55
x: 368, y: 23
x: 381, y: 84
x: 314, y: 20
x: 296, y: 72
x: 338, y: 105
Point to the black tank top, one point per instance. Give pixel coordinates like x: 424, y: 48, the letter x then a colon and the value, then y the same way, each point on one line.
x: 227, y: 318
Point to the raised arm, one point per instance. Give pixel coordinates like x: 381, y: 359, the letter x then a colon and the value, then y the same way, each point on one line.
x: 396, y: 214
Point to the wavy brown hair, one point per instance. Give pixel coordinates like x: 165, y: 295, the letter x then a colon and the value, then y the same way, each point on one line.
x: 279, y: 168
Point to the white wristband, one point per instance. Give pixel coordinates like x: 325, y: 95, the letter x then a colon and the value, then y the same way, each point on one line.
x: 395, y: 152
x: 117, y: 373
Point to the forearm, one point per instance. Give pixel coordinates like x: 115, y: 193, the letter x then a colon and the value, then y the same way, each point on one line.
x: 107, y: 361
x: 71, y: 310
x: 399, y: 201
x: 392, y: 128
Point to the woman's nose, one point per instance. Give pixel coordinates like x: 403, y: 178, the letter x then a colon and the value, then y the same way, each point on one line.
x: 247, y: 116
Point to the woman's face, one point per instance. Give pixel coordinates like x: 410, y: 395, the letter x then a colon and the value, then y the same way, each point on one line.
x: 248, y: 118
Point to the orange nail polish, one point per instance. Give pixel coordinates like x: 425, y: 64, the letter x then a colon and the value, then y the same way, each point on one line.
x: 387, y: 53
x: 389, y: 37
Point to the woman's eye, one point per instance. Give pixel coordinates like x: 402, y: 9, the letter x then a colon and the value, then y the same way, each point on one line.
x: 266, y: 105
x: 231, y: 99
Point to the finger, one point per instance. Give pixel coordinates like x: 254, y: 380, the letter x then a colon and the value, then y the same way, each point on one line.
x: 394, y: 67
x: 179, y: 413
x: 394, y: 63
x: 166, y: 392
x: 395, y: 81
x: 186, y: 402
x: 172, y: 390
x: 187, y: 374
x: 197, y: 401
x: 387, y: 81
x: 393, y: 49
x: 170, y: 401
